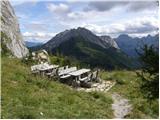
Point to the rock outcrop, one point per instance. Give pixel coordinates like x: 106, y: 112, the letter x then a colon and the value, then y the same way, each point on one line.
x: 111, y: 42
x: 11, y: 37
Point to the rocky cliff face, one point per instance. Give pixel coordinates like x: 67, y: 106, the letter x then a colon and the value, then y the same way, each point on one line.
x: 111, y: 42
x: 11, y: 37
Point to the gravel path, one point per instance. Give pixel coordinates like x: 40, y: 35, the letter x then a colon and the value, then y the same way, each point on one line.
x: 120, y: 106
x: 103, y: 86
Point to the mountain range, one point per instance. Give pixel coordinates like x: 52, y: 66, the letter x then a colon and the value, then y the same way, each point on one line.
x: 84, y: 46
x: 69, y: 34
x: 129, y: 45
x: 98, y: 51
x: 80, y: 44
x: 32, y: 44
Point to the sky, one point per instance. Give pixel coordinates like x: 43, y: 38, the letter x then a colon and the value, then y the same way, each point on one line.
x: 40, y: 20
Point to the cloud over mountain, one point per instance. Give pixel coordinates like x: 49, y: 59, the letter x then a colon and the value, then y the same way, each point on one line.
x: 101, y: 17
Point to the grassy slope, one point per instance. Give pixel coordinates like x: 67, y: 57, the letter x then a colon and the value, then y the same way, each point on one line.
x: 128, y: 86
x: 26, y: 96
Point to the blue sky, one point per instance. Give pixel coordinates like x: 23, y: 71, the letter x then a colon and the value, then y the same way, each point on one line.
x: 40, y: 20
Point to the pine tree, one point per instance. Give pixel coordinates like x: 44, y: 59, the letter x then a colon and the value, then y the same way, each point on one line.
x: 149, y: 75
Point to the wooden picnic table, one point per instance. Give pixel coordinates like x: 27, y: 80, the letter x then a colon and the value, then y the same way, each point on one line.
x: 65, y: 76
x: 48, y: 68
x: 66, y: 71
x: 78, y: 73
x: 83, y: 79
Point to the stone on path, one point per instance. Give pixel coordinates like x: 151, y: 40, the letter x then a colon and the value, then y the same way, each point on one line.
x: 104, y: 86
x: 120, y: 106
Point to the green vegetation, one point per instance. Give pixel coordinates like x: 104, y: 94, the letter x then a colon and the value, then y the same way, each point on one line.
x: 5, y: 51
x: 4, y: 37
x: 150, y: 72
x: 92, y: 55
x: 129, y: 87
x: 64, y: 60
x: 28, y: 96
x: 2, y: 20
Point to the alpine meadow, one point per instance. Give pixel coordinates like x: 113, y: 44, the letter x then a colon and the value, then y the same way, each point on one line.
x: 84, y: 59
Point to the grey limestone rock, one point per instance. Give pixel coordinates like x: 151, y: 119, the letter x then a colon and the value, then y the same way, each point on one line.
x: 10, y: 29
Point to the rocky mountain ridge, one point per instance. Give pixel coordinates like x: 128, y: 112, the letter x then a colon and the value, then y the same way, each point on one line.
x: 84, y: 33
x: 129, y: 44
x: 87, y: 48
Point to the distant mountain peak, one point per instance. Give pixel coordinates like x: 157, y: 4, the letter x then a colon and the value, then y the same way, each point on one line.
x: 81, y: 28
x: 81, y: 44
x: 128, y: 44
x: 123, y: 36
x: 84, y: 33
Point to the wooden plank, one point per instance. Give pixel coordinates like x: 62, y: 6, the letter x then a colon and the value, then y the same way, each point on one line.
x: 79, y: 72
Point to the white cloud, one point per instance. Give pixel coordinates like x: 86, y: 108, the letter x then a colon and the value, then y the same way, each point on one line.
x: 36, y: 26
x: 19, y: 2
x: 38, y: 36
x: 102, y: 21
x: 58, y: 9
x: 114, y: 21
x: 137, y: 26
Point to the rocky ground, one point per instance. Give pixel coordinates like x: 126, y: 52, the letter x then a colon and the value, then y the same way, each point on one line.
x: 103, y: 86
x: 120, y: 106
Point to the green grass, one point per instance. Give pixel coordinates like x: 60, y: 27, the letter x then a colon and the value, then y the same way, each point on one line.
x: 128, y: 86
x: 26, y: 96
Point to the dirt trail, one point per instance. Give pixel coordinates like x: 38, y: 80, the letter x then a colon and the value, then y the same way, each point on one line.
x: 120, y: 106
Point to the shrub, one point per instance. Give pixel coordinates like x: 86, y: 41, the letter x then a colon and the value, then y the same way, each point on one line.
x: 120, y: 81
x: 28, y: 59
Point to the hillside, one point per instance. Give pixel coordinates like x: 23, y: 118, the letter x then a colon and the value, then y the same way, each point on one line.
x: 92, y: 54
x: 105, y: 84
x: 27, y: 96
x: 68, y: 34
x: 87, y: 48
